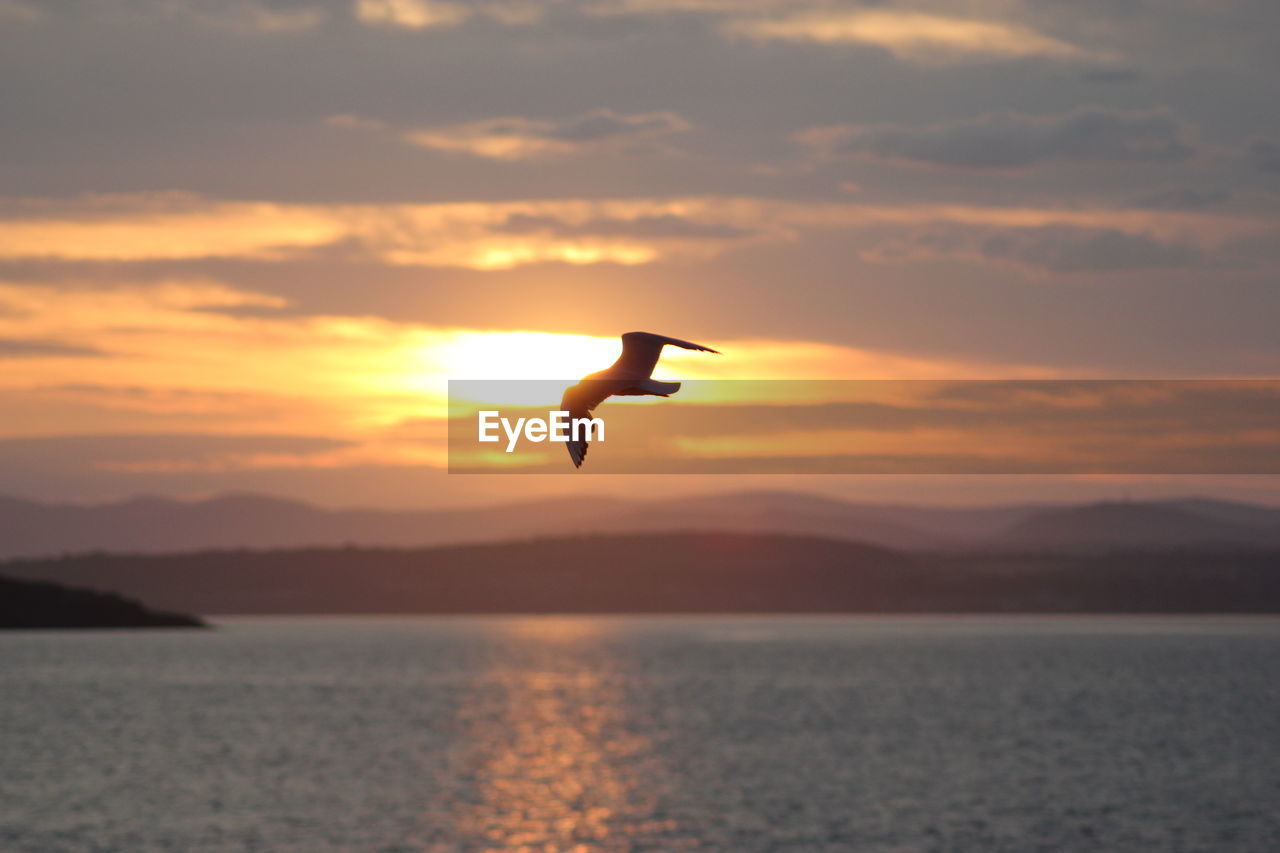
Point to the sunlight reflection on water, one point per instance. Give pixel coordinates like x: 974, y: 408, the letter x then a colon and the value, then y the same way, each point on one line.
x: 560, y: 767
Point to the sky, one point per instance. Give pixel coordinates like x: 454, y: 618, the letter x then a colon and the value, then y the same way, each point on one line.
x: 243, y: 245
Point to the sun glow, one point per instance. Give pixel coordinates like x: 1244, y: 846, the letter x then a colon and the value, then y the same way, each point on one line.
x: 521, y: 355
x: 202, y: 357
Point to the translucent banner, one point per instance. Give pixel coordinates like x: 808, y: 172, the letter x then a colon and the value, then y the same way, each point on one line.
x: 868, y: 427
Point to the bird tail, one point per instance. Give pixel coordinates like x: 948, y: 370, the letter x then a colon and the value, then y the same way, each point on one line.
x: 661, y: 389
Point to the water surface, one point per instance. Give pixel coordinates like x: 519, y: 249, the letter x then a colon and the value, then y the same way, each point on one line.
x: 665, y: 734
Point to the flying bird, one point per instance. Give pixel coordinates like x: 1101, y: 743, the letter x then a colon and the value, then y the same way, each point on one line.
x: 629, y: 376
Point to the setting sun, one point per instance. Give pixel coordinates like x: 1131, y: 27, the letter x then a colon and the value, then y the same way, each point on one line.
x: 467, y: 354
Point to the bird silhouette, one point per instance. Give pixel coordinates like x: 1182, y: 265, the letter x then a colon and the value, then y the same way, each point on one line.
x: 629, y: 376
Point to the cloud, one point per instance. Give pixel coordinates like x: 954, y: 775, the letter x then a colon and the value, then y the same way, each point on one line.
x: 523, y: 138
x: 265, y: 19
x: 1265, y: 154
x: 1076, y: 250
x: 76, y: 456
x: 442, y: 14
x: 515, y: 13
x: 43, y: 348
x: 611, y: 8
x: 181, y: 233
x: 665, y: 226
x: 1111, y: 75
x: 246, y: 16
x: 1010, y: 140
x: 208, y: 403
x: 483, y: 236
x: 162, y: 226
x: 350, y: 121
x: 1185, y: 198
x: 915, y: 36
x: 409, y: 14
x: 17, y: 10
x: 1059, y: 248
x: 177, y: 366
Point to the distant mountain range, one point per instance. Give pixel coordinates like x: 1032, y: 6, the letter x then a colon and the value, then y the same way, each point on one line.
x: 1127, y: 526
x: 157, y: 525
x: 677, y: 573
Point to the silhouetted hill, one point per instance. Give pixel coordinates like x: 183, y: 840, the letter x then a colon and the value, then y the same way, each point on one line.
x: 38, y: 604
x: 679, y: 572
x: 157, y: 525
x: 1109, y: 526
x: 779, y: 512
x: 1232, y: 511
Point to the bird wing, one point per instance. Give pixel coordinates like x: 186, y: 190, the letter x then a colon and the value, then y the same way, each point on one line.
x: 640, y: 351
x: 580, y: 401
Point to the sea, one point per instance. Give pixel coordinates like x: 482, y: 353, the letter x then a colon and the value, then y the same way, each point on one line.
x: 583, y: 733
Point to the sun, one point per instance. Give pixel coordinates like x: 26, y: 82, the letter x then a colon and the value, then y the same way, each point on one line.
x: 517, y: 368
x: 523, y: 355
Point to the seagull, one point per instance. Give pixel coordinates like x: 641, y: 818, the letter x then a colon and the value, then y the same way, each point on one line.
x: 630, y: 376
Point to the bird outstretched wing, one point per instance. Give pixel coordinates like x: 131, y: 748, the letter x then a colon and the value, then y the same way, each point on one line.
x: 579, y: 401
x: 640, y: 352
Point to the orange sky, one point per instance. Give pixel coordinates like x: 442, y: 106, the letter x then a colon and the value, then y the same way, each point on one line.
x: 250, y: 253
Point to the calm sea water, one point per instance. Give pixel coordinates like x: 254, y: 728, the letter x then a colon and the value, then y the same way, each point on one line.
x: 584, y: 734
